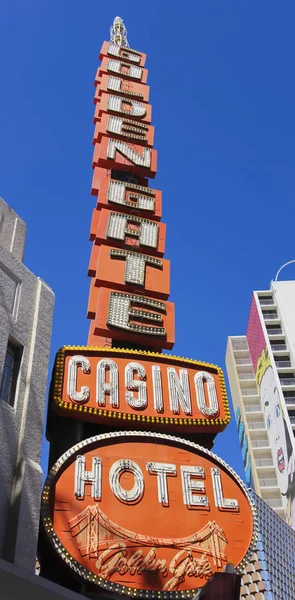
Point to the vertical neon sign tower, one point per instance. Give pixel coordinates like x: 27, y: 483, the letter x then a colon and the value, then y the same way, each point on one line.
x: 122, y: 379
x: 130, y: 279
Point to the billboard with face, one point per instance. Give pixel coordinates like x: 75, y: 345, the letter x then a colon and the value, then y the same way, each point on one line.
x: 276, y: 420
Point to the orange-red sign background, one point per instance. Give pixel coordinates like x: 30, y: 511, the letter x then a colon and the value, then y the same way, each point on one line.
x: 148, y: 516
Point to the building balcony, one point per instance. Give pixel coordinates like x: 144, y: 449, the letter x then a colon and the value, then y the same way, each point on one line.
x: 257, y: 425
x: 272, y: 332
x: 269, y: 483
x: 240, y: 345
x: 274, y: 502
x: 283, y: 364
x: 250, y: 392
x: 278, y: 348
x: 290, y: 400
x: 243, y: 362
x: 290, y: 381
x: 246, y: 376
x: 256, y: 408
x: 292, y: 421
x: 270, y: 316
x: 262, y: 463
x: 259, y: 444
x: 266, y: 302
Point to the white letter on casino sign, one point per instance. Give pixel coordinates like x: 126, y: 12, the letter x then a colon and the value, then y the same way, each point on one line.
x: 122, y: 126
x: 179, y: 391
x: 102, y: 387
x: 220, y: 501
x: 157, y: 389
x: 116, y: 470
x: 115, y: 66
x: 139, y: 197
x: 118, y: 227
x: 190, y: 485
x: 117, y: 103
x: 161, y: 470
x: 74, y: 363
x: 93, y: 477
x: 141, y: 160
x: 203, y: 378
x: 127, y: 53
x: 123, y: 308
x: 135, y: 384
x: 116, y: 84
x: 135, y: 265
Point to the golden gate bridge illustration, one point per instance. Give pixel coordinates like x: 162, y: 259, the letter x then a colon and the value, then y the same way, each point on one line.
x: 94, y: 532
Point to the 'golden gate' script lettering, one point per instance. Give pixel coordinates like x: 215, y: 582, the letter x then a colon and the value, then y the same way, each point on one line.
x: 115, y: 559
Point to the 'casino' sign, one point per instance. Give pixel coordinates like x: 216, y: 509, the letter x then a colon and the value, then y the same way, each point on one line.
x: 143, y: 513
x: 107, y: 384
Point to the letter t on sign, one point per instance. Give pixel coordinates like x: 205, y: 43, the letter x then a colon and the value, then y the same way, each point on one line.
x: 161, y: 470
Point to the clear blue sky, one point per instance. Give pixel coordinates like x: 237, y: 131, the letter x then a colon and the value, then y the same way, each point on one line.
x: 222, y: 89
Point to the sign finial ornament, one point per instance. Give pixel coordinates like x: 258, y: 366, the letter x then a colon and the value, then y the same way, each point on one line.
x: 118, y: 33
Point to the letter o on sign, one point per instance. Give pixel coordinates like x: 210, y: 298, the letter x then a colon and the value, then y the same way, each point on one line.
x: 117, y: 469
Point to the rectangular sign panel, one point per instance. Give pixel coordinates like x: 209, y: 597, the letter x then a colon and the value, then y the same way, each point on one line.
x: 114, y: 104
x: 128, y: 89
x: 131, y: 271
x: 130, y: 231
x: 124, y: 128
x: 122, y: 53
x: 125, y: 197
x: 143, y: 388
x: 134, y: 318
x: 111, y: 153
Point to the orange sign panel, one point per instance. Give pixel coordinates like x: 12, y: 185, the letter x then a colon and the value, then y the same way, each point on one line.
x: 111, y: 103
x: 139, y: 513
x: 124, y: 128
x: 111, y: 153
x: 125, y: 197
x: 120, y: 68
x: 130, y: 230
x: 133, y: 318
x: 127, y: 270
x: 121, y: 53
x: 128, y: 89
x: 144, y: 388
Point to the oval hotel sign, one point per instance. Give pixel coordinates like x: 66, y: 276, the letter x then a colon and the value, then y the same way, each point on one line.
x: 133, y: 512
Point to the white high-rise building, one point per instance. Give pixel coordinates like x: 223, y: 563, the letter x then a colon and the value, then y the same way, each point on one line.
x: 261, y: 372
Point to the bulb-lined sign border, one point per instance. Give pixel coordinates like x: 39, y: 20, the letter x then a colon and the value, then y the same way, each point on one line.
x: 89, y: 576
x: 162, y: 421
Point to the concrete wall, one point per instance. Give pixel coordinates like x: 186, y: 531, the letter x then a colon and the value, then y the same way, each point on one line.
x: 26, y: 307
x: 12, y: 231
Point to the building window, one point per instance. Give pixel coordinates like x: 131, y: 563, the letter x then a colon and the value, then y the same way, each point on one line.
x: 10, y: 372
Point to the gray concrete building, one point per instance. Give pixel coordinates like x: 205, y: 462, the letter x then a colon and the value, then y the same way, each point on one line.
x: 26, y: 308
